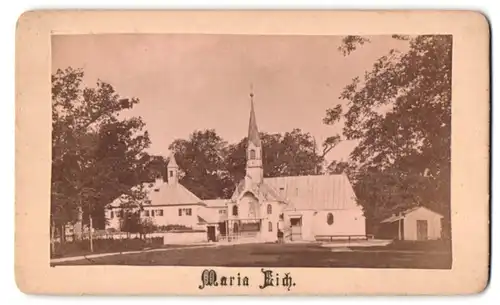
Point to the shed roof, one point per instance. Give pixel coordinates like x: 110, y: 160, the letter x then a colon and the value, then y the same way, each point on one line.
x: 404, y: 213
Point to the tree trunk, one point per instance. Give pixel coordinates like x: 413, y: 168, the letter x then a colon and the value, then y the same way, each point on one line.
x: 62, y: 233
x: 52, y: 238
x: 90, y: 233
x: 399, y: 230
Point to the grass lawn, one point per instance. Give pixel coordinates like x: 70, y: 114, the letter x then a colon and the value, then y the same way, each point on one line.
x: 81, y: 248
x: 283, y: 255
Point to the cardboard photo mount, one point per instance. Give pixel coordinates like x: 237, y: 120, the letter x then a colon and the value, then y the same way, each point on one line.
x: 470, y: 153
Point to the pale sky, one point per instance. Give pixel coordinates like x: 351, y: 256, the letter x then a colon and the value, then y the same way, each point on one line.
x: 189, y: 82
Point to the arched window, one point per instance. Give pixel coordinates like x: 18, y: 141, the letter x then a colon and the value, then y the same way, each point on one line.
x: 329, y: 219
x: 270, y: 226
x: 235, y: 210
x: 269, y: 209
x: 252, y: 154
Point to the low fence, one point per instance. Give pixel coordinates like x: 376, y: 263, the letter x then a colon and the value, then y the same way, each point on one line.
x: 342, y: 237
x: 182, y: 237
x: 104, y: 245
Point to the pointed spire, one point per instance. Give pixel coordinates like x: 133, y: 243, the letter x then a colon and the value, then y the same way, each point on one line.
x: 172, y: 163
x: 253, y: 132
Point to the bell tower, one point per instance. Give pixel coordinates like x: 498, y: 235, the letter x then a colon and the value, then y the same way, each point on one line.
x: 254, y: 170
x: 172, y: 170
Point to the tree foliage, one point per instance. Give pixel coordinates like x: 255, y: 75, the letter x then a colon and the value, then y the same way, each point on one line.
x: 400, y: 114
x: 290, y: 154
x: 96, y: 154
x: 201, y: 164
x: 211, y: 168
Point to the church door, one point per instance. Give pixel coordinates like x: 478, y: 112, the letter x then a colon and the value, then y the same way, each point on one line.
x: 296, y: 227
x: 235, y: 228
x: 211, y: 233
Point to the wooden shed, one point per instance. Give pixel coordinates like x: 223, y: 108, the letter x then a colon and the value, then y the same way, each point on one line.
x: 418, y: 223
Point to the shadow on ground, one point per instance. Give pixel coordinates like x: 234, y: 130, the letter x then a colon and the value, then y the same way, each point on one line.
x: 284, y: 255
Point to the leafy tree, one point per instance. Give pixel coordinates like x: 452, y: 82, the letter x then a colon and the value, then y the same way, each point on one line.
x: 211, y: 168
x: 291, y: 154
x: 201, y: 164
x: 96, y: 155
x: 154, y: 167
x: 400, y: 114
x: 131, y: 204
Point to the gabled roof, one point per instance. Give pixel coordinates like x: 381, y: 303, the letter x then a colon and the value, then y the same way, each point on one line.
x: 147, y: 186
x: 166, y: 194
x: 173, y: 194
x: 262, y: 190
x: 319, y: 192
x: 403, y: 214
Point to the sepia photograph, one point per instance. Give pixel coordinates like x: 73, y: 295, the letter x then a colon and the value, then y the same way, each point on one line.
x: 235, y: 150
x: 204, y: 153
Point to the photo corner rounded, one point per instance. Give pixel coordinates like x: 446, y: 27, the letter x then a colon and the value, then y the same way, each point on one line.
x: 27, y: 17
x: 21, y: 284
x: 482, y: 20
x: 480, y: 285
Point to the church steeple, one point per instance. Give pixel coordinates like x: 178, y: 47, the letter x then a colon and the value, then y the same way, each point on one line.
x: 253, y: 131
x: 254, y: 169
x: 173, y: 170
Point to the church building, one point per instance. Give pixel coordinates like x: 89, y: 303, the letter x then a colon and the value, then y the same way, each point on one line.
x: 300, y: 208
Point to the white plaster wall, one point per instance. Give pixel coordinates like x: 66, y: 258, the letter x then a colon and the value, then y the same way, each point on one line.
x: 307, y: 222
x: 248, y: 207
x: 345, y: 222
x: 272, y: 218
x: 170, y: 216
x: 433, y: 224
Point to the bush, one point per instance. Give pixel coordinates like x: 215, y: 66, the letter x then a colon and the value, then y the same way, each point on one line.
x: 105, y: 245
x: 168, y: 228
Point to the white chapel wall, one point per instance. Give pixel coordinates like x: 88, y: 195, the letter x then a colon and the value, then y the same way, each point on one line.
x: 270, y: 220
x: 345, y: 222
